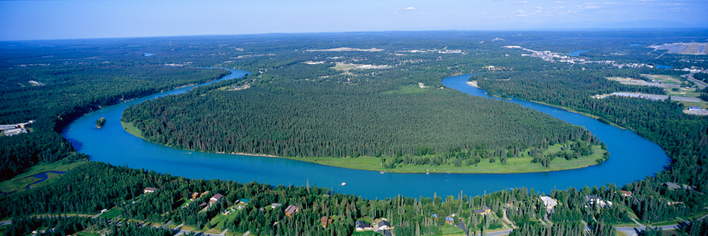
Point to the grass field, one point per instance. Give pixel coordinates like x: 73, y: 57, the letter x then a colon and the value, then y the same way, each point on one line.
x: 128, y: 127
x: 683, y: 92
x: 20, y: 182
x: 366, y: 233
x: 111, y: 213
x: 514, y: 165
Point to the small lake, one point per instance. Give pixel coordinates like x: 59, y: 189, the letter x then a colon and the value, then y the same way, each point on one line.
x: 632, y: 158
x: 663, y: 67
x: 577, y: 53
x: 147, y: 54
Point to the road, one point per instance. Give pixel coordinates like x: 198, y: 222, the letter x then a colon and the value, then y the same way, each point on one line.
x: 700, y: 84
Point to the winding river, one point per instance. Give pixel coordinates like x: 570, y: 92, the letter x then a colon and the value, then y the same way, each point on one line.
x: 632, y: 158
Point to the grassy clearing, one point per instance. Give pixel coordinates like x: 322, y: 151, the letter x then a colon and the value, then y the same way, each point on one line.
x: 620, y: 233
x: 20, y: 182
x: 665, y: 223
x: 340, y: 66
x: 451, y: 230
x: 366, y: 233
x: 131, y: 129
x: 684, y: 92
x: 695, y: 104
x: 112, y: 213
x: 514, y: 165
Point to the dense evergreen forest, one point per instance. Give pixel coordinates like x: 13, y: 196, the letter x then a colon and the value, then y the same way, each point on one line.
x: 73, y: 77
x: 67, y: 92
x: 329, y: 119
x: 683, y: 137
x: 122, y: 189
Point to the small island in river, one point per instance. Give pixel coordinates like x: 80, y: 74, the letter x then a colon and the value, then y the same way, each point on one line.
x: 100, y: 122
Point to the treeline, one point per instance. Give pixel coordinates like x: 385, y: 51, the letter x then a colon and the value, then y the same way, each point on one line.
x: 121, y: 187
x: 69, y: 91
x: 332, y: 119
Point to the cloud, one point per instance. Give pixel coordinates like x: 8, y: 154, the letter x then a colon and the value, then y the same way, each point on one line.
x: 523, y: 2
x: 520, y: 13
x: 539, y: 8
x: 558, y: 2
x: 409, y: 9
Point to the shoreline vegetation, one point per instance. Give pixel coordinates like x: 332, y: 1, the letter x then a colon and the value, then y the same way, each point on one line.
x: 517, y: 165
x: 474, y: 84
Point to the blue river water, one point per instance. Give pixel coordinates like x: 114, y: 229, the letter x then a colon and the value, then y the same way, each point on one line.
x: 632, y: 158
x: 42, y: 177
x: 577, y: 53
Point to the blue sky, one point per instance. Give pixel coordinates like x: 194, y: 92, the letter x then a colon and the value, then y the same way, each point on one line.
x: 27, y: 20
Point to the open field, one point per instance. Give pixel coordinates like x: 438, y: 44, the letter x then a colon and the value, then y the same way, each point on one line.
x: 21, y: 181
x: 128, y: 127
x: 684, y: 48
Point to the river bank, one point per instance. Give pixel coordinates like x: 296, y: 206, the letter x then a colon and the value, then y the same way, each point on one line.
x: 514, y: 165
x: 474, y: 84
x: 112, y: 144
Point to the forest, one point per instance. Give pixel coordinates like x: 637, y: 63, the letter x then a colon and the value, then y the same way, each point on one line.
x: 69, y: 91
x: 74, y: 77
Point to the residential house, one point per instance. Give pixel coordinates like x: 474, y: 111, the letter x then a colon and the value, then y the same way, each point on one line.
x: 149, y: 190
x: 487, y: 210
x: 673, y: 186
x: 361, y: 225
x: 274, y: 205
x: 217, y: 197
x: 450, y: 219
x: 549, y: 202
x: 480, y: 212
x: 626, y: 193
x: 383, y: 225
x: 290, y: 210
x: 195, y: 195
x: 325, y: 221
x: 595, y: 200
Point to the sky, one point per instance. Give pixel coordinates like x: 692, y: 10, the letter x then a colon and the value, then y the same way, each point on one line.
x: 37, y: 20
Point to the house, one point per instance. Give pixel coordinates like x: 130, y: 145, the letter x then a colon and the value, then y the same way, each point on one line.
x: 673, y: 186
x: 195, y: 195
x: 436, y: 216
x: 149, y: 190
x: 450, y: 219
x: 361, y: 225
x: 325, y: 221
x: 626, y: 193
x: 204, y: 204
x: 274, y: 205
x: 595, y: 200
x: 215, y: 198
x: 487, y: 210
x: 290, y: 210
x: 480, y: 212
x: 549, y: 202
x: 383, y: 225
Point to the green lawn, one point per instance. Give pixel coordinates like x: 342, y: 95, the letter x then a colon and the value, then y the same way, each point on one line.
x: 112, y: 213
x: 20, y: 182
x: 365, y: 233
x: 130, y: 128
x: 451, y: 230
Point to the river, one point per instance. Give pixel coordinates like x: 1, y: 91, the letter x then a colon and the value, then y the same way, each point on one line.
x: 632, y: 158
